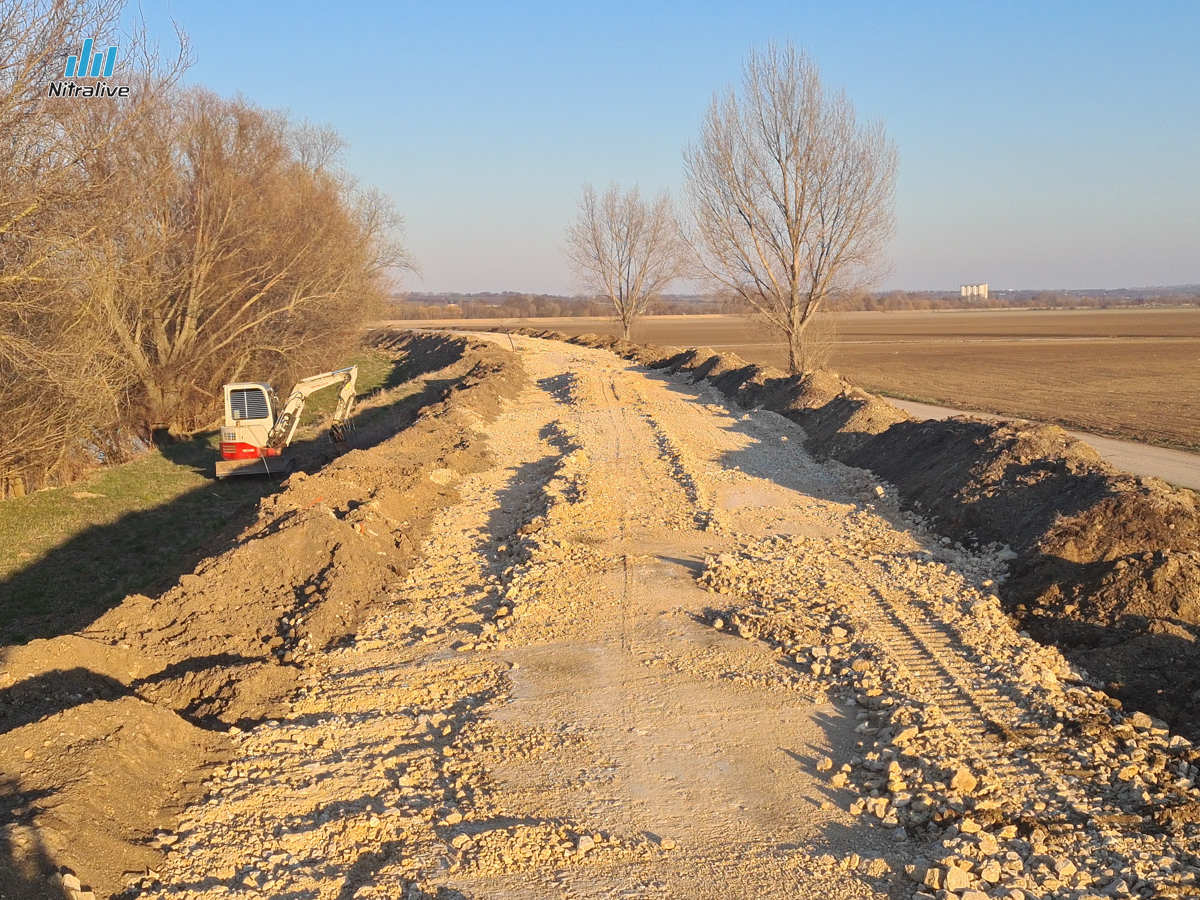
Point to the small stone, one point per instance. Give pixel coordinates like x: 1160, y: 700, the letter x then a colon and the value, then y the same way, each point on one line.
x: 990, y: 872
x: 667, y: 844
x: 718, y: 624
x: 825, y: 764
x: 969, y: 826
x: 71, y: 882
x: 839, y: 780
x: 963, y: 782
x: 1064, y: 867
x: 1140, y: 720
x: 906, y: 735
x: 955, y: 879
x: 900, y: 835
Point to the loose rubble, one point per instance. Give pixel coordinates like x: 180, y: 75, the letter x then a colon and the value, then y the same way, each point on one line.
x: 987, y: 753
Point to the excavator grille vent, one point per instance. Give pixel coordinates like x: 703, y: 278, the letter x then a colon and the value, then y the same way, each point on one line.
x: 249, y: 403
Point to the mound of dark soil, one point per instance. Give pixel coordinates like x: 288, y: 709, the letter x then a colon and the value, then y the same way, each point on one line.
x: 105, y: 733
x: 1107, y: 564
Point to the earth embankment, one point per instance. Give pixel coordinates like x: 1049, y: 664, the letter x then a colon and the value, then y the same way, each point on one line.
x: 573, y: 625
x: 1106, y: 565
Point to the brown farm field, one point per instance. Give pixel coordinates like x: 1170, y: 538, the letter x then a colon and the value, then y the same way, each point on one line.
x: 1127, y: 373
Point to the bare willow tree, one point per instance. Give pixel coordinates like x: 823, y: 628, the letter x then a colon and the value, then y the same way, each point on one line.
x: 241, y: 252
x: 155, y: 245
x: 62, y: 398
x: 626, y: 249
x: 790, y: 197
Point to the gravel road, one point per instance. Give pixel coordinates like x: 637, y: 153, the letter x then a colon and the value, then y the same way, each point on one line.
x: 1176, y: 467
x: 658, y: 651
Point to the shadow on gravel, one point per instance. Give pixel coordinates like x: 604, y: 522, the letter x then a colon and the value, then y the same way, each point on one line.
x: 367, y: 864
x: 873, y: 844
x: 25, y: 863
x: 521, y: 501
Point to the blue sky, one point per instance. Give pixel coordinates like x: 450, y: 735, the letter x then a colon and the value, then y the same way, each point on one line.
x: 1048, y: 144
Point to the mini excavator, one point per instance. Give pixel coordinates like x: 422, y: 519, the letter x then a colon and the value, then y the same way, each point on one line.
x: 255, y: 436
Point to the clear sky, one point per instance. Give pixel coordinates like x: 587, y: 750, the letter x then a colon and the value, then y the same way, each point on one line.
x: 1042, y: 144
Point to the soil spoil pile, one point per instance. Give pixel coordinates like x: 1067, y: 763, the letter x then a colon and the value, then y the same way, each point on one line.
x: 105, y: 735
x: 1104, y: 564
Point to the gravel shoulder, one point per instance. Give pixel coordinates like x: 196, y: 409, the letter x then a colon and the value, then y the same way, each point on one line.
x: 657, y: 650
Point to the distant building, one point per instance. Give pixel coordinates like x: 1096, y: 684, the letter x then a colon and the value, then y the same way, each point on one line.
x: 974, y: 290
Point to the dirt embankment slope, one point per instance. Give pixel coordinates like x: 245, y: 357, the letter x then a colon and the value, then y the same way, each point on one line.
x: 1106, y: 565
x: 105, y: 734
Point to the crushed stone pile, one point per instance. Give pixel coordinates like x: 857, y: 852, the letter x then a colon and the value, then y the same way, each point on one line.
x: 1009, y: 774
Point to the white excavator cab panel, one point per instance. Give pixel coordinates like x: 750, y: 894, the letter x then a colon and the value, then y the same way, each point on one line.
x: 249, y: 417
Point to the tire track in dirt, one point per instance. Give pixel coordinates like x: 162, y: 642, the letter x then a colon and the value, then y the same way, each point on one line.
x: 982, y: 719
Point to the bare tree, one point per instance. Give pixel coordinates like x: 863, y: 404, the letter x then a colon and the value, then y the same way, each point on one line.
x: 626, y: 249
x: 156, y: 245
x: 240, y: 250
x: 63, y: 394
x: 790, y: 197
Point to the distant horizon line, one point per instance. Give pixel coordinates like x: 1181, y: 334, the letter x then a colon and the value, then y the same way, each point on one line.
x: 1163, y: 289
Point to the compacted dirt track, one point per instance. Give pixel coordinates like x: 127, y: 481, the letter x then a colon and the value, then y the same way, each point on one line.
x: 657, y: 651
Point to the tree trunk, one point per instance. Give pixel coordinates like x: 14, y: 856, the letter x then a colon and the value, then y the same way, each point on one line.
x: 795, y: 354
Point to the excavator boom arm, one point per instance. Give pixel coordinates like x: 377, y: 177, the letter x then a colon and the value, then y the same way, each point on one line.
x: 285, y: 425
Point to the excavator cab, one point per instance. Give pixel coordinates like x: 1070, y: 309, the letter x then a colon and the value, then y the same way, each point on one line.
x: 257, y: 432
x: 249, y: 418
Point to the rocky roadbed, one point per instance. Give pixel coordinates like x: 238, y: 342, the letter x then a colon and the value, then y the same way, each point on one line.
x: 1105, y: 565
x: 554, y: 703
x: 651, y: 648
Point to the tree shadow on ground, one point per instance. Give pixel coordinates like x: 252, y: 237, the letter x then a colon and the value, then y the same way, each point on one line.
x: 146, y: 551
x: 25, y: 862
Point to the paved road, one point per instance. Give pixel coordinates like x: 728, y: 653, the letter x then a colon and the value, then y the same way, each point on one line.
x: 1173, y: 466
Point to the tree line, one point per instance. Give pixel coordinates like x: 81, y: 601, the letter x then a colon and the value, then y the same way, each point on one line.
x: 156, y: 247
x: 512, y: 305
